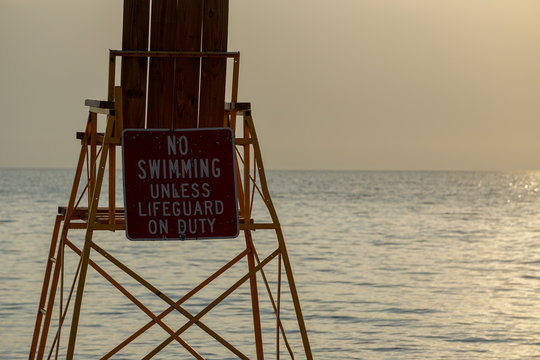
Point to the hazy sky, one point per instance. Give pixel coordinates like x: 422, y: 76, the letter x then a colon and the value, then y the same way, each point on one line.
x: 341, y: 84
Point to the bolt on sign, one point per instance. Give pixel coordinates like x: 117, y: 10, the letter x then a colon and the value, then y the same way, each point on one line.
x: 179, y: 184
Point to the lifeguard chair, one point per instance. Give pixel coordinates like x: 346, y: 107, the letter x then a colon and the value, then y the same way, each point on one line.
x: 173, y: 76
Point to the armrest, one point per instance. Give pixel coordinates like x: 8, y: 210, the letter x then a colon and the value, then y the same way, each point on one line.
x: 100, y: 106
x: 239, y: 106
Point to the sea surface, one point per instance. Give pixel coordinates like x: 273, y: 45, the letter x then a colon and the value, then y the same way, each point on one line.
x: 388, y: 265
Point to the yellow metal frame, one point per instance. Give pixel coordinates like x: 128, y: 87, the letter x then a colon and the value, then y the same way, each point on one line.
x: 99, y: 151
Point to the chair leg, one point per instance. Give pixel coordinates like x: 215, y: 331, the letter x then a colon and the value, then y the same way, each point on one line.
x: 45, y: 291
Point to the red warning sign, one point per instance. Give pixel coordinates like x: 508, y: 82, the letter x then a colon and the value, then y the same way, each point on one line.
x: 179, y: 184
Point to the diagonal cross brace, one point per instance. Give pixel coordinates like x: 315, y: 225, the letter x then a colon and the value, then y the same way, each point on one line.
x: 179, y: 302
x: 212, y: 305
x: 180, y: 309
x: 131, y: 297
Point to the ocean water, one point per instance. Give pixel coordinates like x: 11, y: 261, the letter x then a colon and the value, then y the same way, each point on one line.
x: 388, y: 265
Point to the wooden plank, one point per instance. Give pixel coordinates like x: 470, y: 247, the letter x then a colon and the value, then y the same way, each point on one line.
x: 133, y: 79
x: 161, y: 76
x: 213, y: 71
x: 186, y: 87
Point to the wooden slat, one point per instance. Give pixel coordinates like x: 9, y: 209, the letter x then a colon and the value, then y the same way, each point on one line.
x: 134, y: 70
x: 161, y: 75
x: 213, y: 76
x: 186, y: 88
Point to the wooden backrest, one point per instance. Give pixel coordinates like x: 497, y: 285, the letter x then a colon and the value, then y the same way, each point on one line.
x: 181, y: 92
